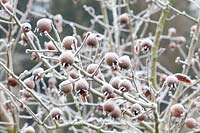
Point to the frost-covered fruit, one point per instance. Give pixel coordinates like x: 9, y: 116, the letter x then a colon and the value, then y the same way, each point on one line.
x: 109, y: 106
x: 171, y: 31
x: 67, y: 58
x: 177, y: 110
x: 73, y: 74
x: 146, y: 44
x: 171, y: 81
x: 180, y: 40
x: 91, y: 40
x: 29, y: 129
x: 12, y: 81
x: 91, y: 68
x: 4, y: 1
x: 123, y: 18
x: 50, y: 46
x: 25, y: 93
x: 66, y: 86
x: 191, y: 123
x: 193, y: 28
x: 116, y: 113
x: 29, y: 83
x: 172, y: 45
x: 111, y: 96
x: 125, y: 85
x: 136, y: 109
x: 81, y: 84
x: 125, y: 62
x: 52, y: 82
x: 38, y: 72
x: 111, y: 58
x: 26, y: 27
x: 162, y: 78
x: 142, y: 117
x: 115, y: 82
x: 107, y: 89
x: 44, y: 24
x: 68, y: 41
x: 56, y: 113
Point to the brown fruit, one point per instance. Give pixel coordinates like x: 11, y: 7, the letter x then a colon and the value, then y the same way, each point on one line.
x: 44, y: 24
x: 125, y: 85
x: 91, y: 68
x: 123, y: 18
x: 125, y: 62
x: 81, y: 84
x: 37, y: 72
x: 56, y: 113
x: 26, y: 27
x: 12, y: 81
x: 66, y: 86
x: 111, y: 58
x: 171, y: 81
x: 29, y: 83
x: 177, y: 110
x: 29, y: 129
x: 115, y: 82
x: 190, y: 122
x: 50, y: 46
x: 107, y: 89
x: 116, y: 113
x: 68, y: 41
x: 91, y: 40
x: 67, y: 58
x: 109, y: 106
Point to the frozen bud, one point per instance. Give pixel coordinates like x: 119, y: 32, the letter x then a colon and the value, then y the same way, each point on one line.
x: 38, y: 72
x: 50, y: 46
x: 116, y: 113
x: 73, y: 74
x: 29, y: 129
x: 171, y: 31
x: 67, y: 58
x: 29, y: 83
x: 125, y: 85
x: 81, y: 84
x: 109, y: 106
x: 66, y: 86
x: 26, y: 27
x: 68, y: 42
x: 136, y: 109
x: 12, y: 81
x: 44, y: 24
x: 107, y: 89
x: 171, y: 81
x: 177, y: 110
x: 56, y: 113
x: 111, y: 58
x: 191, y: 123
x: 180, y: 40
x: 52, y: 82
x: 58, y: 21
x: 125, y: 62
x: 124, y: 18
x: 91, y: 40
x: 91, y: 68
x: 115, y: 82
x: 146, y: 44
